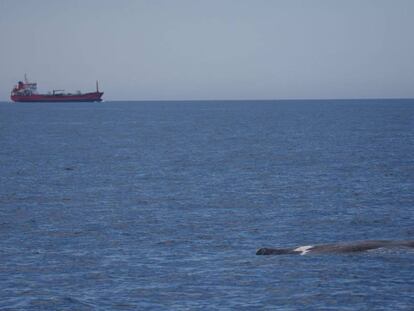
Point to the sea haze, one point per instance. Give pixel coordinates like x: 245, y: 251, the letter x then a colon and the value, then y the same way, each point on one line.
x: 162, y: 205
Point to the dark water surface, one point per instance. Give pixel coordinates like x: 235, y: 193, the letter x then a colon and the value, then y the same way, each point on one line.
x: 162, y: 205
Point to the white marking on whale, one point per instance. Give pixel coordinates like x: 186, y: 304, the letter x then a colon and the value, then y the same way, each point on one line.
x: 303, y: 250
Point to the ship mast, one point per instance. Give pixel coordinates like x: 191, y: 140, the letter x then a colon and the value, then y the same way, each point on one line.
x: 97, y: 88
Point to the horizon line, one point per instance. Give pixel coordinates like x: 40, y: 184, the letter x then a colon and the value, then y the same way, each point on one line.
x: 249, y: 99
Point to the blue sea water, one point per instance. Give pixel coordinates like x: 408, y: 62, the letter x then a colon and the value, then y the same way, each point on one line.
x: 162, y: 205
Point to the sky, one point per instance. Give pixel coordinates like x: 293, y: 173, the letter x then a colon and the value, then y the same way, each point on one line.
x: 210, y: 49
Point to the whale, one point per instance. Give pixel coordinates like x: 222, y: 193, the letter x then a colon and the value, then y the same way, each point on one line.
x: 338, y: 248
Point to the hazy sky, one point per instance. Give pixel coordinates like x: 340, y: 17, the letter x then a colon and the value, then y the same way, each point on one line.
x: 210, y: 49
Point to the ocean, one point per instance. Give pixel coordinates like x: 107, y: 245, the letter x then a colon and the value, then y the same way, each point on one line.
x: 162, y: 205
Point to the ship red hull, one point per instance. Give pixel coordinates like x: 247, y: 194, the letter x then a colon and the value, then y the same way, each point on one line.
x: 87, y: 97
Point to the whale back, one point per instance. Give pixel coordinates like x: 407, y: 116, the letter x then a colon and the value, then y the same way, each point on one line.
x: 351, y: 247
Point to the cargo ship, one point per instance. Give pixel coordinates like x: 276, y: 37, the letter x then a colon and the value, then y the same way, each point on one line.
x: 27, y: 92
